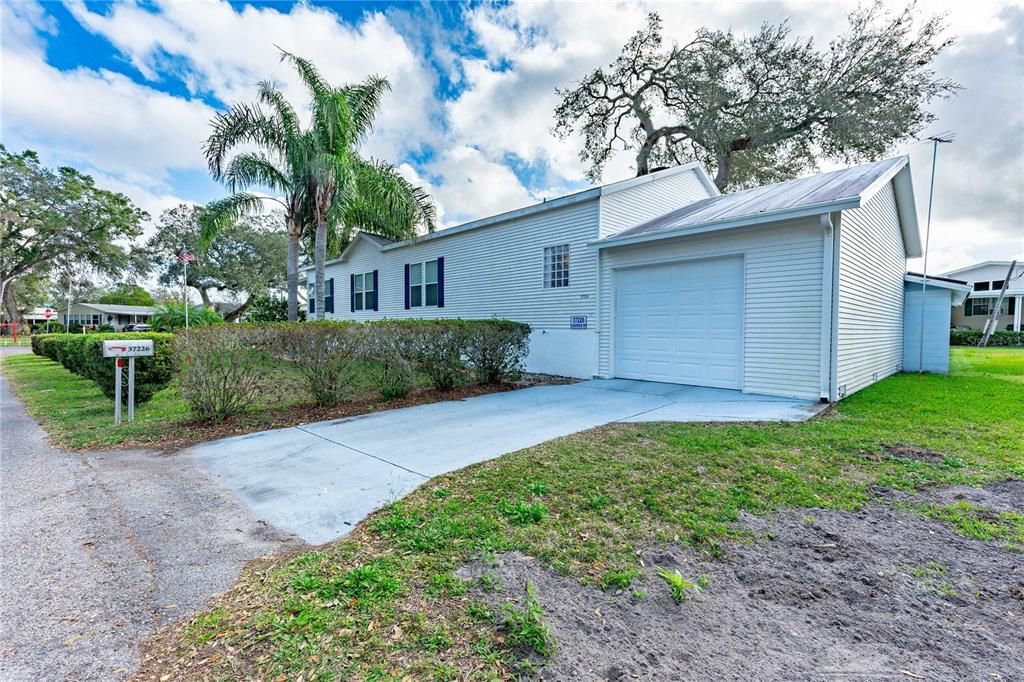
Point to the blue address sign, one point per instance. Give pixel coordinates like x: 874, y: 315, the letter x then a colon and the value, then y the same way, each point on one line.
x: 577, y: 322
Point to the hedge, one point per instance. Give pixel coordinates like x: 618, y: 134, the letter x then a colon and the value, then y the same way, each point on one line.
x: 83, y: 355
x: 971, y: 337
x: 222, y: 369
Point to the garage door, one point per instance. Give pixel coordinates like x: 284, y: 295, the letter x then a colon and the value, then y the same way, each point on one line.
x: 681, y: 322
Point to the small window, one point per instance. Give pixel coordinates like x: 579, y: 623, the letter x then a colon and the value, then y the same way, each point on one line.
x: 981, y: 286
x: 997, y: 285
x: 556, y: 266
x: 423, y: 287
x: 365, y: 296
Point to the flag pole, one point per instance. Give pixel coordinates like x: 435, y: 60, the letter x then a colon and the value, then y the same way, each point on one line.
x: 184, y: 289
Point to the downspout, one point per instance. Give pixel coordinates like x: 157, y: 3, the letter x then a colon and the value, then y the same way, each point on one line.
x: 833, y: 360
x: 825, y: 356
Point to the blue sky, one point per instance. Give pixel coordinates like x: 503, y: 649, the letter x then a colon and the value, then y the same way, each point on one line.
x: 125, y: 91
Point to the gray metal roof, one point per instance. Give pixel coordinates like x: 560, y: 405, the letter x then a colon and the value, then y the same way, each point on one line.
x: 782, y: 199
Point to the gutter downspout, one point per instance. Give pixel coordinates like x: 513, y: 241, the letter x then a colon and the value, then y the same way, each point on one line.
x: 832, y: 224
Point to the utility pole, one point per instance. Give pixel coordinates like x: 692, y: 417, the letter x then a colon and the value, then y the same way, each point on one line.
x: 943, y: 138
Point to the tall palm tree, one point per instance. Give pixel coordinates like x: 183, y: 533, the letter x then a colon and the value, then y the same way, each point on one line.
x: 278, y: 163
x: 346, y: 191
x: 325, y: 184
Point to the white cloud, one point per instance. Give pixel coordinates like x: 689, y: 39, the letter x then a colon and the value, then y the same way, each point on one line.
x: 475, y: 187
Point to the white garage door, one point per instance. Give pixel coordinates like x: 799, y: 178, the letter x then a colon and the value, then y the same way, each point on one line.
x: 681, y: 322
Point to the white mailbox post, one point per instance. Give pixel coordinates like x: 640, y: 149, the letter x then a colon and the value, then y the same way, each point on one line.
x: 119, y: 350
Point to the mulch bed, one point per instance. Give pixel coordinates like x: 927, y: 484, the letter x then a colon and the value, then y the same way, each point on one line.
x: 193, y: 431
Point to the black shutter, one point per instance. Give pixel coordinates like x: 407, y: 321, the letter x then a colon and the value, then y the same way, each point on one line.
x: 310, y: 293
x: 376, y: 291
x: 329, y: 296
x: 1012, y: 307
x: 440, y: 282
x: 406, y: 286
x: 352, y: 293
x: 969, y: 307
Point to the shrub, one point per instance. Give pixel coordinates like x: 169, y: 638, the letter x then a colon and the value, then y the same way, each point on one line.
x: 435, y: 348
x: 171, y: 316
x: 496, y: 349
x: 221, y: 369
x: 393, y: 376
x: 83, y: 355
x: 971, y: 337
x: 327, y: 353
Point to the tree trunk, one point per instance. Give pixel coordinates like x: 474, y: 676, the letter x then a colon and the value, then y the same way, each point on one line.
x: 203, y: 294
x: 11, y: 307
x: 320, y: 256
x: 294, y: 234
x: 237, y: 312
x: 722, y: 175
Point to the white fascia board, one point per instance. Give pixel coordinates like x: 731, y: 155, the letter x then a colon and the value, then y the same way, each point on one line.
x: 903, y: 188
x: 569, y: 200
x: 659, y: 175
x: 958, y: 292
x: 976, y: 266
x: 732, y: 223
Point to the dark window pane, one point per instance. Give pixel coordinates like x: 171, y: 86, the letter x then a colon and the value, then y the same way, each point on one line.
x: 371, y: 300
x: 431, y: 294
x: 416, y: 296
x: 981, y: 286
x: 996, y: 285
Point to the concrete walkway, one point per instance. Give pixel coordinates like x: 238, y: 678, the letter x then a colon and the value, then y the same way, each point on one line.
x: 98, y: 549
x: 319, y: 480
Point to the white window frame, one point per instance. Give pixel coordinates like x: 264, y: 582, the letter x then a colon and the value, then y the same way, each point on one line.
x: 360, y: 290
x: 557, y: 264
x: 423, y: 284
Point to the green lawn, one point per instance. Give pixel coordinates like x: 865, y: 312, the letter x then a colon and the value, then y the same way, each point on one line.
x: 384, y: 602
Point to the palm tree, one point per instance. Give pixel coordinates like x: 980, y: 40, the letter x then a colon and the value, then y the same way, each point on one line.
x: 346, y: 191
x: 278, y: 164
x: 325, y: 184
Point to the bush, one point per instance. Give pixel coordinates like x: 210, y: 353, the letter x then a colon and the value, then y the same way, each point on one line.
x: 972, y: 337
x: 221, y: 369
x: 496, y: 349
x: 327, y: 353
x: 83, y: 355
x: 171, y: 316
x: 437, y: 348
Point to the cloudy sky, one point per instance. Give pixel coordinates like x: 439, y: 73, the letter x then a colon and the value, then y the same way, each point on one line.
x: 125, y: 92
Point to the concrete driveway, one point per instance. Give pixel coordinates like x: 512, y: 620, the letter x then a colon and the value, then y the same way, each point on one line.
x: 319, y: 480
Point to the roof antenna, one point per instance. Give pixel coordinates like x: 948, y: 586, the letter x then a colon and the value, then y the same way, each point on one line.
x: 941, y: 138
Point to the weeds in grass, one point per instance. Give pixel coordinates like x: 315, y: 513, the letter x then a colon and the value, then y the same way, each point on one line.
x: 619, y: 578
x: 679, y: 586
x: 597, y: 502
x: 930, y: 574
x: 639, y: 595
x: 537, y: 488
x: 979, y: 523
x: 522, y: 513
x: 526, y: 626
x: 809, y: 520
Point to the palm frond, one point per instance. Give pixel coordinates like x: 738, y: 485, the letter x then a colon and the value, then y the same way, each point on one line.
x: 364, y: 100
x: 255, y: 169
x: 282, y: 108
x: 218, y: 215
x: 309, y: 74
x: 241, y: 124
x: 387, y: 204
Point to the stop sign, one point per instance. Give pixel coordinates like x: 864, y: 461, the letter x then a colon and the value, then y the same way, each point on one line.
x: 48, y: 313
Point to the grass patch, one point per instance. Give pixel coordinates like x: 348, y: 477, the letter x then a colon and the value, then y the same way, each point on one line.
x: 977, y: 522
x: 607, y: 495
x: 679, y: 587
x: 76, y: 415
x: 526, y: 626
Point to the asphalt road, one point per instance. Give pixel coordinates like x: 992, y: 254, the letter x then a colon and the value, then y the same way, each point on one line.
x: 97, y: 550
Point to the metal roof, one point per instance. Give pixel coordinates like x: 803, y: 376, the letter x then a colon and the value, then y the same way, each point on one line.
x: 807, y: 196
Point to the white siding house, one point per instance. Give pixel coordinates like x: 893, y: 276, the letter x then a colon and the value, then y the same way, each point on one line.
x: 794, y: 289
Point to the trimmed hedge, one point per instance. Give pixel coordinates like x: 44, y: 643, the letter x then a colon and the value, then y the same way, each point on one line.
x: 971, y: 337
x: 221, y: 369
x: 83, y: 355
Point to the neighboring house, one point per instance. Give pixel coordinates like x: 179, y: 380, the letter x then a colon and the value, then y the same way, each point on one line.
x: 96, y: 314
x: 793, y: 289
x: 986, y: 280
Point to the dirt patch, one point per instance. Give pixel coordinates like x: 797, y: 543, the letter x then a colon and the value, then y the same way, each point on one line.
x: 876, y: 593
x: 913, y: 452
x: 1004, y: 496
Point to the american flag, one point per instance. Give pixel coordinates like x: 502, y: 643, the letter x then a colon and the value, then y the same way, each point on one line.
x: 185, y: 256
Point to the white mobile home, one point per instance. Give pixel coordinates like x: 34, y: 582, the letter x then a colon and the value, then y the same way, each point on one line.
x: 794, y: 289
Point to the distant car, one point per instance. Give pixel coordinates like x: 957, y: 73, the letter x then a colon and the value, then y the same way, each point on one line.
x: 136, y: 328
